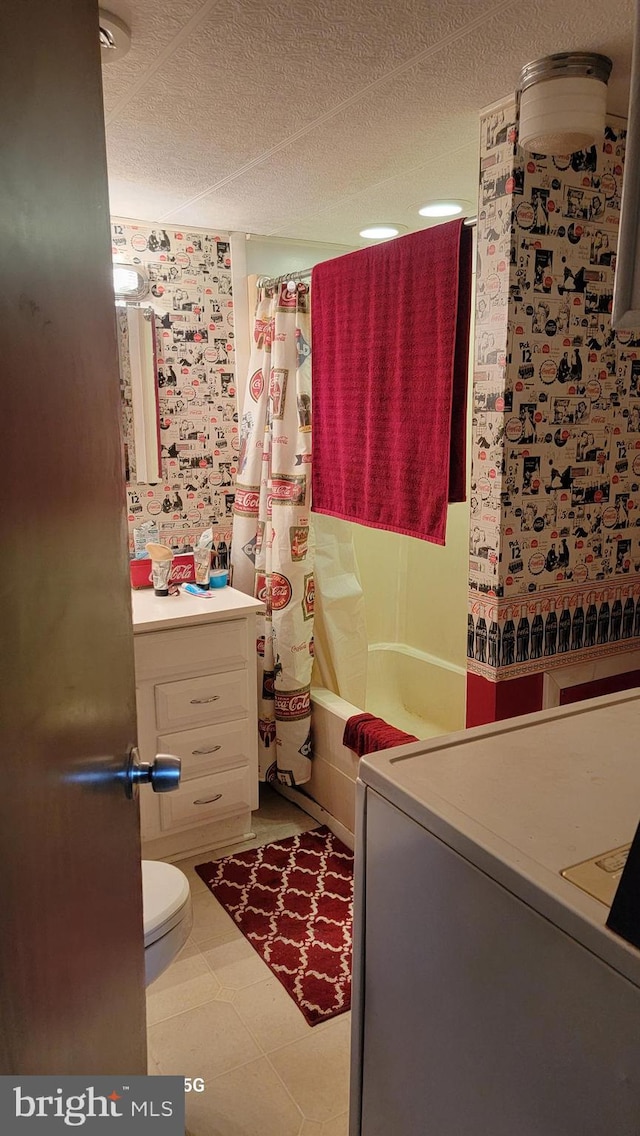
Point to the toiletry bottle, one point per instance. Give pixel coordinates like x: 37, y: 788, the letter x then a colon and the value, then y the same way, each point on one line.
x: 522, y: 636
x: 537, y: 633
x: 161, y: 561
x: 550, y: 632
x: 627, y: 614
x: 564, y: 627
x: 616, y: 618
x: 202, y: 563
x: 577, y: 626
x: 591, y: 621
x: 603, y: 620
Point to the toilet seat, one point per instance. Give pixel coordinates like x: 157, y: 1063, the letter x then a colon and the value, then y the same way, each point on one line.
x: 165, y: 899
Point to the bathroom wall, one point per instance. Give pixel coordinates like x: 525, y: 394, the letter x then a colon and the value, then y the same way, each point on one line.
x: 436, y: 584
x: 380, y: 559
x: 555, y: 517
x: 275, y: 256
x: 415, y: 592
x: 191, y: 294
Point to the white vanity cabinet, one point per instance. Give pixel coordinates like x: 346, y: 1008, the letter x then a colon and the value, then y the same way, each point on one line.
x: 196, y: 697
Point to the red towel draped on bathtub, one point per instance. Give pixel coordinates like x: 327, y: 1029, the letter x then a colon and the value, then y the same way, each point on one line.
x: 364, y: 733
x: 390, y: 334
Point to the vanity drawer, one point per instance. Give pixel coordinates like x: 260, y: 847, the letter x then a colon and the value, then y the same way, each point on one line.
x: 206, y: 798
x: 213, y: 646
x: 210, y: 698
x: 208, y: 749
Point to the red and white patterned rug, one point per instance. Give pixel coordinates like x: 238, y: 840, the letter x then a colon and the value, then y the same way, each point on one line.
x: 293, y: 900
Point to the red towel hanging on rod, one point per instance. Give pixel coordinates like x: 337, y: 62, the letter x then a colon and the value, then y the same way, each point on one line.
x: 390, y: 341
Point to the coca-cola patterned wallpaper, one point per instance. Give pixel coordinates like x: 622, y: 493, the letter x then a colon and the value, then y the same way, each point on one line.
x: 190, y: 278
x: 555, y: 493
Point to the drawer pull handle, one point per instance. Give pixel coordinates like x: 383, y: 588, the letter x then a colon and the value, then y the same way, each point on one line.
x: 200, y: 701
x: 200, y: 752
x: 207, y: 800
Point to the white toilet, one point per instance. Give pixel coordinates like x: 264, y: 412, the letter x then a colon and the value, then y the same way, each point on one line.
x: 166, y: 904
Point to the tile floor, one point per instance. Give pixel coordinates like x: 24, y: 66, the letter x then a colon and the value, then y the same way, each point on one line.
x: 218, y: 1013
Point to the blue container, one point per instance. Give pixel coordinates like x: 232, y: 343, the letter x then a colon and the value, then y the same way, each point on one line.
x: 219, y: 578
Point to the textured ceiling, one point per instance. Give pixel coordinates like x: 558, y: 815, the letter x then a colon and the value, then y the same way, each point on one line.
x: 314, y: 118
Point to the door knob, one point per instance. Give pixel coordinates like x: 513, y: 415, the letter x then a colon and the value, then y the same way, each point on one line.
x: 163, y: 774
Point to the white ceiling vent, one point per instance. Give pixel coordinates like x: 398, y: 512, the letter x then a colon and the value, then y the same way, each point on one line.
x: 115, y: 37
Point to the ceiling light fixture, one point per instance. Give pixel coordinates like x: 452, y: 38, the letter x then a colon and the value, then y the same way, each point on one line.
x: 115, y: 37
x: 441, y: 209
x: 563, y: 102
x: 379, y: 232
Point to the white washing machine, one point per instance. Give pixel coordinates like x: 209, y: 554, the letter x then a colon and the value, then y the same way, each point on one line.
x: 489, y: 997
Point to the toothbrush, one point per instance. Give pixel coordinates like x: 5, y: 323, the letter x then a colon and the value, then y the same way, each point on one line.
x: 194, y: 590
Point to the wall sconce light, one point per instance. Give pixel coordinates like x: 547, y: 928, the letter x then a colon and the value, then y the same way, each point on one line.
x: 130, y: 282
x: 563, y: 102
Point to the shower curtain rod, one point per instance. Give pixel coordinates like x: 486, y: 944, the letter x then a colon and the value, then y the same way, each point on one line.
x: 271, y: 281
x: 305, y: 273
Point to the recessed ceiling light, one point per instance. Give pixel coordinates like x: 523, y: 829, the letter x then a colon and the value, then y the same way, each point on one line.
x: 379, y: 232
x: 440, y: 209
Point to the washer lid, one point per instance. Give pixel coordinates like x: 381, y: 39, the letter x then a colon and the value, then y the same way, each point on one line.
x: 165, y: 892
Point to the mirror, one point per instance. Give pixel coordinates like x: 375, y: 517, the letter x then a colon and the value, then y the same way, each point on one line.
x: 626, y: 287
x: 137, y: 340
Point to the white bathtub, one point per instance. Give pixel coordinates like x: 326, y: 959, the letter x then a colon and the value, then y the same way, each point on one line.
x: 416, y: 692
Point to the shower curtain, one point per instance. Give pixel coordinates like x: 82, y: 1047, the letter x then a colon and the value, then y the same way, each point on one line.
x: 272, y: 548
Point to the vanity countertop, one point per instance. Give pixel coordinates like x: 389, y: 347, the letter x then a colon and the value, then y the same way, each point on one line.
x: 159, y: 613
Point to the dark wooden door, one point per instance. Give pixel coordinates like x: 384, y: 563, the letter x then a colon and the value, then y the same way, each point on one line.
x: 71, y: 947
